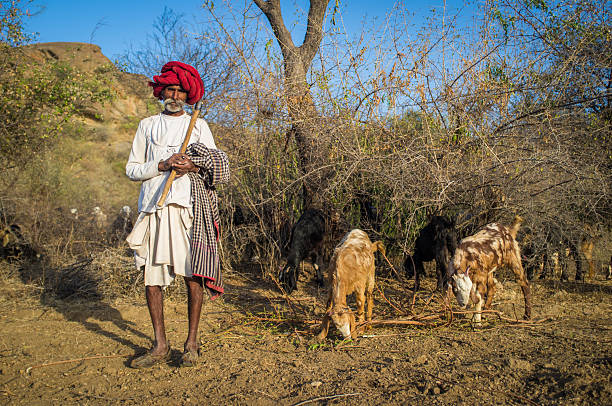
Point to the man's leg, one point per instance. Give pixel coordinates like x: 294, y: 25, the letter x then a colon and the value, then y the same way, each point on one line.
x: 194, y: 308
x: 156, y: 310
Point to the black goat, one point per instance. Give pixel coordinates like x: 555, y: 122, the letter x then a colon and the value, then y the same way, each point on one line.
x: 13, y: 245
x: 436, y: 241
x: 306, y: 239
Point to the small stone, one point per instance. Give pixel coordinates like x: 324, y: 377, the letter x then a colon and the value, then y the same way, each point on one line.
x: 435, y: 390
x: 316, y: 384
x: 519, y: 364
x: 549, y: 365
x: 421, y: 360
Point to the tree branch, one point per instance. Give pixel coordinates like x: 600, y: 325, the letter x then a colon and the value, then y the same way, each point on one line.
x: 314, y: 31
x: 272, y: 11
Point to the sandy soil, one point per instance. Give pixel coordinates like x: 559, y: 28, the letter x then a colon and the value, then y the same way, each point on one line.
x: 77, y: 352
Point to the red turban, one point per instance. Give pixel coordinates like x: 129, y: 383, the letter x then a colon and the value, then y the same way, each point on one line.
x: 178, y: 73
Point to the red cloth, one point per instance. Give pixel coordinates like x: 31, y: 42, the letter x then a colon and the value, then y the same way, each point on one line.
x: 178, y: 73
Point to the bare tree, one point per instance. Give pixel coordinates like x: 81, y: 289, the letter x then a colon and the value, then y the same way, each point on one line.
x: 174, y: 38
x: 296, y: 62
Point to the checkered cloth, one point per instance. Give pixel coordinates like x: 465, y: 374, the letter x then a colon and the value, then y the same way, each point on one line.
x: 214, y: 169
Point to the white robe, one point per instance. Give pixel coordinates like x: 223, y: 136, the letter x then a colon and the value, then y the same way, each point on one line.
x: 161, y: 237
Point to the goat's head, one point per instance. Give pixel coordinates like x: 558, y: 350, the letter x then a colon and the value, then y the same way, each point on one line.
x: 287, y: 278
x: 344, y: 320
x: 460, y: 282
x: 409, y: 266
x: 126, y: 212
x: 462, y: 287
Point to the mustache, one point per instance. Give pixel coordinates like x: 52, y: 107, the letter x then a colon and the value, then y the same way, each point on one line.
x: 174, y: 105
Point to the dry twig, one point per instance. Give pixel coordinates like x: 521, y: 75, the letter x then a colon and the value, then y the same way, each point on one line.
x: 29, y: 369
x: 305, y: 402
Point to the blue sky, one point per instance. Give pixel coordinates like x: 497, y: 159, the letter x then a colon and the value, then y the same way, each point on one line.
x: 115, y: 25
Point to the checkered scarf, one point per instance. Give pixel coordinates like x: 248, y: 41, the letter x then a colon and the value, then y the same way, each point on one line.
x: 214, y: 169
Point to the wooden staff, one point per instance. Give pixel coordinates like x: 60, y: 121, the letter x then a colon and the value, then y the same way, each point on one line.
x: 194, y: 117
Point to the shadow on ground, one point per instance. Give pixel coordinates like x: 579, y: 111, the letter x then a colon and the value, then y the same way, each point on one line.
x: 74, y: 292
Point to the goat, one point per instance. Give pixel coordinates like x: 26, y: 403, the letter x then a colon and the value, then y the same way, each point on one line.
x: 122, y: 225
x: 306, y: 239
x: 99, y: 217
x: 351, y: 269
x: 13, y: 245
x: 560, y: 246
x: 475, y: 260
x: 436, y: 241
x: 586, y: 249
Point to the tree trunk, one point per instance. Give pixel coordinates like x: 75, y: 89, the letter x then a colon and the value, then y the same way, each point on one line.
x: 296, y: 62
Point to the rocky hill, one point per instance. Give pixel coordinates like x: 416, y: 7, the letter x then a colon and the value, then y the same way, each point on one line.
x: 106, y: 130
x: 133, y: 95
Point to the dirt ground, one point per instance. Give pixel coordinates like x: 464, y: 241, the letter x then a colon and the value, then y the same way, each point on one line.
x: 257, y: 351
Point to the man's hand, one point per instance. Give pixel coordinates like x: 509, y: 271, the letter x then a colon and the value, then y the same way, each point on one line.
x: 180, y: 163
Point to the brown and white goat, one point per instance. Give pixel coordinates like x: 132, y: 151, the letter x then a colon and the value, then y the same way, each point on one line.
x: 476, y: 259
x: 351, y: 269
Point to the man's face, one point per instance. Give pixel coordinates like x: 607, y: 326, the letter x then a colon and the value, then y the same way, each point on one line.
x: 174, y: 98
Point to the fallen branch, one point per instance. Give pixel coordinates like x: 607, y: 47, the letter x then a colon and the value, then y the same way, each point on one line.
x: 29, y: 369
x: 500, y: 315
x: 394, y: 322
x: 326, y: 398
x: 387, y: 300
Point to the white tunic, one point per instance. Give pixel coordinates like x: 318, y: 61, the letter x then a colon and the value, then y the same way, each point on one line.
x: 161, y: 237
x: 157, y: 138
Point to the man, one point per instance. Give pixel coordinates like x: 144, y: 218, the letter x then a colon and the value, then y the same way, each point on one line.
x: 179, y: 238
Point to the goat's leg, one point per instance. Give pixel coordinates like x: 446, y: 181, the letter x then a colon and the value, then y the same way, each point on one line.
x: 294, y: 275
x: 282, y: 276
x: 577, y: 260
x: 545, y: 267
x: 360, y: 301
x: 314, y: 256
x: 370, y: 301
x: 477, y: 299
x: 557, y: 271
x: 370, y: 304
x: 325, y: 323
x: 352, y: 327
x: 591, y: 273
x: 439, y: 276
x: 442, y: 259
x: 419, y: 270
x: 491, y: 288
x: 524, y: 284
x: 324, y: 327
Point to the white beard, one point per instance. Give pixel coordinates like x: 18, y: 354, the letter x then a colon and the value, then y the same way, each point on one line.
x: 173, y: 106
